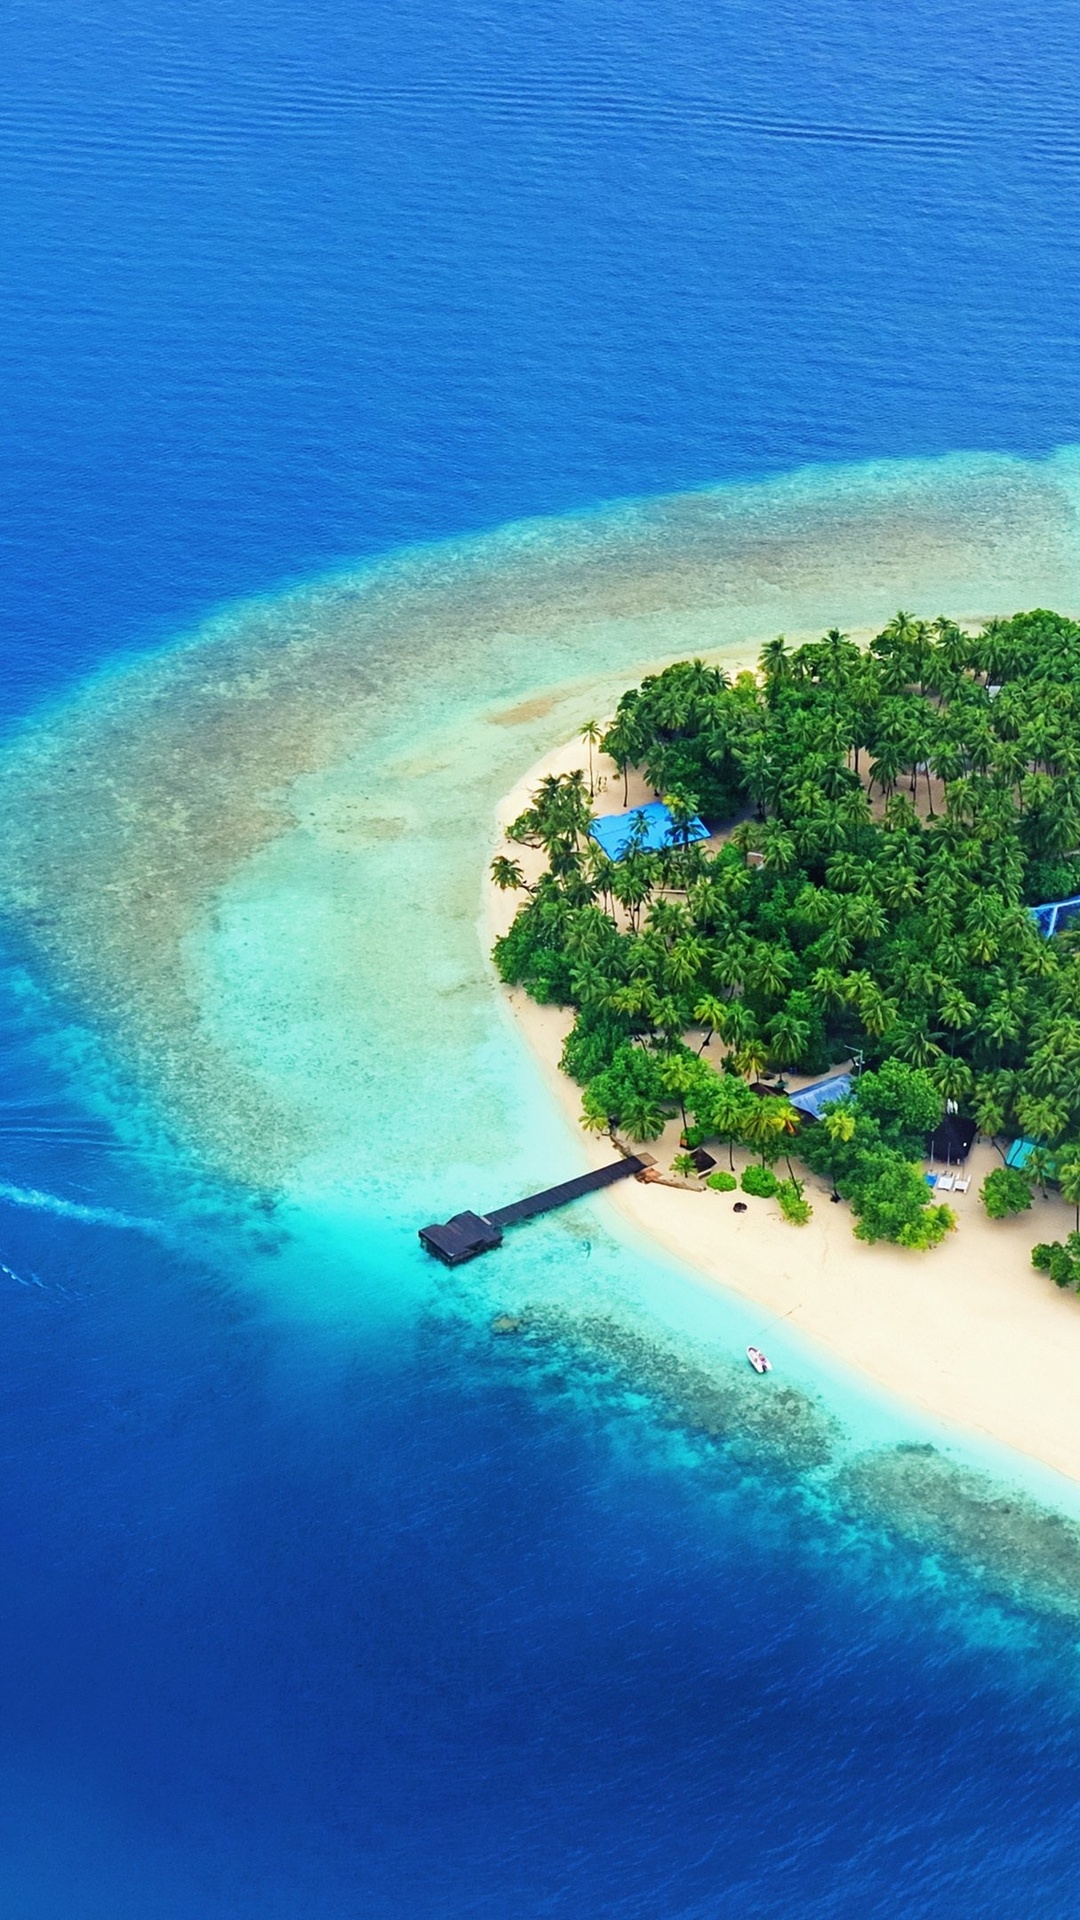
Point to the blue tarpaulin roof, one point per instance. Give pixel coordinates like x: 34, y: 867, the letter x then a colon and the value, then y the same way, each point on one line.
x: 824, y: 1093
x: 1020, y: 1153
x: 619, y: 833
x: 1056, y: 915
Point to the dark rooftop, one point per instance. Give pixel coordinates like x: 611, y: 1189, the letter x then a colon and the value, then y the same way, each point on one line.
x: 461, y: 1238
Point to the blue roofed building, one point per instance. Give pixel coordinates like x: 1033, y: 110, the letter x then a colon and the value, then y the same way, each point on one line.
x: 1055, y: 915
x: 650, y: 829
x: 814, y: 1100
x: 1020, y: 1153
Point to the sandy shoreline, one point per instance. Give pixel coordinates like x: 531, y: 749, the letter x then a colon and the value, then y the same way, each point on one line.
x: 968, y: 1333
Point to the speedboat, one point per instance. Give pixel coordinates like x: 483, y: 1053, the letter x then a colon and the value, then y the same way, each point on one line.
x: 758, y: 1360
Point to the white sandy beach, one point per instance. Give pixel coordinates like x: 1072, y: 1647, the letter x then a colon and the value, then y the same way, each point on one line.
x: 969, y: 1332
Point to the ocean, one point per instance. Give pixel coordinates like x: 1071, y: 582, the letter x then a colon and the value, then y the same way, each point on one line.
x: 382, y: 388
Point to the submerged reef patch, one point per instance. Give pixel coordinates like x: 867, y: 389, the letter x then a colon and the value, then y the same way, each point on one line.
x: 719, y: 1401
x: 184, y: 843
x: 1020, y: 1549
x: 1020, y: 1553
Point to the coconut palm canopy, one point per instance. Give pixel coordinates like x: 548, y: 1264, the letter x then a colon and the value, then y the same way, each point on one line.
x: 909, y: 806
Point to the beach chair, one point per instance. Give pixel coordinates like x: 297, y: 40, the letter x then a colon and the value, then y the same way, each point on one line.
x: 962, y: 1185
x: 946, y: 1183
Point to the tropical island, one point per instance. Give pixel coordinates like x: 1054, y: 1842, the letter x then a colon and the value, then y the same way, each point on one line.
x: 859, y: 867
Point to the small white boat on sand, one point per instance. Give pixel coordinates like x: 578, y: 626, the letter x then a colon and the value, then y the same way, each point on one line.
x: 758, y: 1360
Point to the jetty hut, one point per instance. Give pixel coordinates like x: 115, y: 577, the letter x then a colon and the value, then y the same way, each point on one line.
x: 649, y: 829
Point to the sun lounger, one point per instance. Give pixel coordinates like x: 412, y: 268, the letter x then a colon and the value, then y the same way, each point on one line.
x: 946, y: 1183
x: 931, y: 1179
x: 962, y: 1185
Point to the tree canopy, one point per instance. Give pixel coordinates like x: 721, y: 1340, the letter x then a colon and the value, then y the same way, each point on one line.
x: 890, y: 816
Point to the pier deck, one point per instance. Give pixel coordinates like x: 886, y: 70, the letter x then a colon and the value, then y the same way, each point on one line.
x: 467, y: 1234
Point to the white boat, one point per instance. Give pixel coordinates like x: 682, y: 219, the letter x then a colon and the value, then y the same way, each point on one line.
x: 758, y: 1360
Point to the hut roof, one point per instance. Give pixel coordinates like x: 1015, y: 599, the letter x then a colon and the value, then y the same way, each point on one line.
x: 1020, y: 1153
x: 824, y: 1093
x: 951, y: 1141
x: 1055, y: 915
x: 651, y: 828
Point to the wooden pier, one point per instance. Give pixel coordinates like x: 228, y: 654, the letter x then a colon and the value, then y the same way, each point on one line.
x: 465, y: 1235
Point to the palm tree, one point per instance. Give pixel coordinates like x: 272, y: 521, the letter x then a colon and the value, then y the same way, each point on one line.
x: 778, y: 846
x: 642, y: 1116
x: 886, y: 767
x: 827, y: 986
x: 678, y: 1076
x: 954, y: 1007
x: 898, y: 886
x: 594, y: 1120
x: 788, y: 1036
x: 749, y: 1059
x: 1068, y: 1178
x: 845, y: 871
x: 623, y: 743
x: 952, y: 1077
x: 911, y: 1043
x: 774, y: 661
x: 1039, y: 1168
x: 839, y: 1122
x: 710, y: 1013
x: 728, y: 1108
x: 685, y: 961
x: 1043, y: 1117
x: 507, y: 874
x: 761, y: 1128
x: 739, y: 1025
x: 592, y: 733
x: 990, y: 1107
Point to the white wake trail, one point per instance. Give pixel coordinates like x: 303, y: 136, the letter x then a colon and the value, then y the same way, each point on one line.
x: 73, y: 1210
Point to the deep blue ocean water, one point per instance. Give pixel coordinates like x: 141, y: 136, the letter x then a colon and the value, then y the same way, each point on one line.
x: 336, y: 1619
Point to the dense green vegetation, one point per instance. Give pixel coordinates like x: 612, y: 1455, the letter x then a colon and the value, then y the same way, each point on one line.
x: 890, y: 815
x: 1006, y: 1191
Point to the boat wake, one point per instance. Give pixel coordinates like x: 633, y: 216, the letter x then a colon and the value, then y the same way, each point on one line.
x: 74, y: 1210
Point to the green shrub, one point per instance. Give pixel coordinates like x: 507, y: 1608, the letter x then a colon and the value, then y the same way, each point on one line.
x: 889, y: 1198
x: 592, y: 1043
x: 1005, y: 1191
x: 928, y: 1229
x: 1062, y: 1266
x: 1062, y: 1263
x: 792, y: 1205
x: 722, y: 1181
x: 760, y: 1181
x: 630, y: 1093
x: 903, y: 1099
